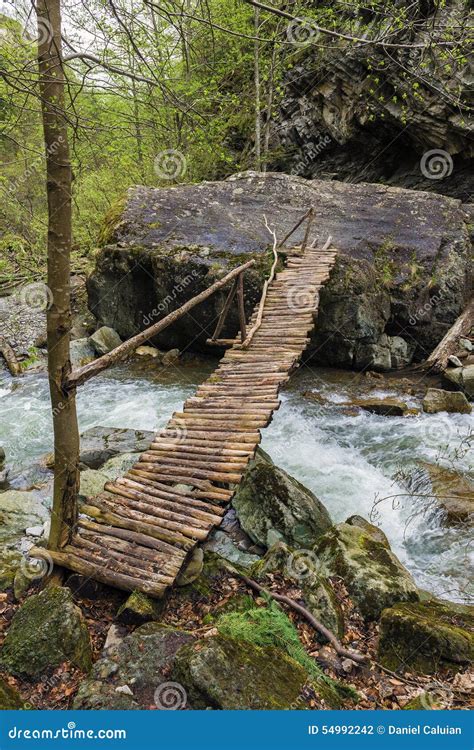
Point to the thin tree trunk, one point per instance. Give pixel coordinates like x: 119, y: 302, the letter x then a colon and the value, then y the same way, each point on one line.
x: 257, y: 91
x: 59, y: 178
x: 269, y: 107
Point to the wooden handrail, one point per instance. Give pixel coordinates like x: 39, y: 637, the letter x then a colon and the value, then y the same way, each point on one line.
x: 82, y: 374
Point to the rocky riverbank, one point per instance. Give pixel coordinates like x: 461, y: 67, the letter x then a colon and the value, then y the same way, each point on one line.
x: 185, y: 652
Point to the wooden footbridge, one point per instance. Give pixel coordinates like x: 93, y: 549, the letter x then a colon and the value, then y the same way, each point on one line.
x: 139, y: 533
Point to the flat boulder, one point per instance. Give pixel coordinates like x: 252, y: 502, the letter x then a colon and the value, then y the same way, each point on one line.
x: 99, y: 444
x: 224, y: 673
x: 47, y: 630
x: 162, y: 246
x: 271, y: 506
x: 426, y: 637
x: 437, y: 400
x: 372, y: 574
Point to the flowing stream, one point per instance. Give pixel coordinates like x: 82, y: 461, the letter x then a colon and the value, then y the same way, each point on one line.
x: 348, y: 461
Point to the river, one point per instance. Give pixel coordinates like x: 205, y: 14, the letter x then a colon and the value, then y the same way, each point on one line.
x: 348, y: 461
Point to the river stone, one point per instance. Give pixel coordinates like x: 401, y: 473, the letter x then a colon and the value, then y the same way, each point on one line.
x: 141, y: 661
x: 179, y: 240
x: 10, y: 698
x: 385, y: 407
x: 99, y: 444
x: 450, y: 401
x: 148, y: 351
x: 426, y: 637
x: 47, y: 630
x: 463, y: 377
x: 453, y: 491
x: 193, y: 568
x: 119, y: 465
x: 373, y: 575
x: 222, y: 544
x: 269, y: 501
x: 104, y: 340
x: 223, y: 673
x: 373, y: 531
x: 81, y: 352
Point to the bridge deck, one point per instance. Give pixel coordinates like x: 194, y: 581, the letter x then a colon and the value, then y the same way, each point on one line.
x: 138, y: 533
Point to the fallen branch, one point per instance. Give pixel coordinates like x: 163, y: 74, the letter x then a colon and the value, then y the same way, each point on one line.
x: 338, y: 647
x: 438, y: 359
x: 10, y: 357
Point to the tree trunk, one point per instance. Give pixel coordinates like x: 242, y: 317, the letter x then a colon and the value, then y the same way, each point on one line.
x: 59, y: 178
x: 256, y: 74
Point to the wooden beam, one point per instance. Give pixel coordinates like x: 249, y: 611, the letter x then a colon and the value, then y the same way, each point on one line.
x: 83, y: 374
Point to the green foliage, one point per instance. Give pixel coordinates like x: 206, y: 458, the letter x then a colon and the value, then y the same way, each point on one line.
x: 270, y: 626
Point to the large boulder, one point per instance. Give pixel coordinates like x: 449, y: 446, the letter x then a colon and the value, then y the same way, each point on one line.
x: 271, y: 505
x: 452, y: 490
x: 129, y: 673
x: 373, y: 575
x: 224, y: 673
x: 163, y: 246
x: 426, y: 637
x: 47, y: 630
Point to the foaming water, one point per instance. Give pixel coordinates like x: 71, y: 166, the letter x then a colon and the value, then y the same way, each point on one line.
x: 348, y: 461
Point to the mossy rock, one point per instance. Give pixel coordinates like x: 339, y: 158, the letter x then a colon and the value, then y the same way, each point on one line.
x: 271, y: 505
x: 128, y: 673
x: 47, y: 630
x: 139, y: 608
x: 10, y: 699
x: 426, y: 637
x: 373, y: 575
x: 223, y: 673
x: 202, y: 588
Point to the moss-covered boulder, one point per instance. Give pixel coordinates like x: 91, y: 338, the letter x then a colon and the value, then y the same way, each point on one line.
x: 437, y: 400
x: 10, y: 699
x: 373, y: 575
x: 271, y: 505
x: 129, y: 673
x: 426, y: 637
x: 47, y: 629
x: 304, y: 569
x: 224, y: 673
